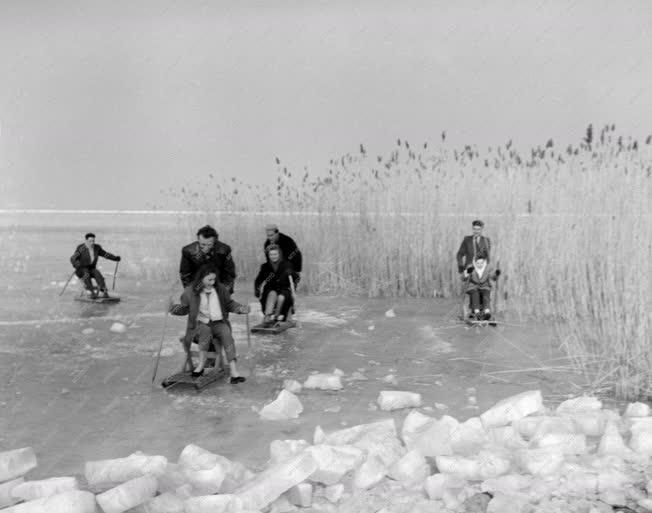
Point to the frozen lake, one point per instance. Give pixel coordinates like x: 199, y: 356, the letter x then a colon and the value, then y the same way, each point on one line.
x: 75, y: 391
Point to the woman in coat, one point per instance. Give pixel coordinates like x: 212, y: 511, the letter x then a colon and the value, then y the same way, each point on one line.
x: 207, y: 303
x: 273, y: 286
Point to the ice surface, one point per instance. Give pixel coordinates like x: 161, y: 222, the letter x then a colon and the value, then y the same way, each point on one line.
x: 285, y: 406
x: 389, y: 400
x: 30, y: 490
x: 512, y: 408
x: 123, y: 469
x: 333, y: 493
x: 74, y: 501
x: 324, y: 382
x: 16, y: 463
x: 128, y: 495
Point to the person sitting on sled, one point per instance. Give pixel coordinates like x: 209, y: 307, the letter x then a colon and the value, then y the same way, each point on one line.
x: 289, y: 249
x: 84, y: 260
x: 273, y: 286
x: 207, y: 302
x: 478, y: 286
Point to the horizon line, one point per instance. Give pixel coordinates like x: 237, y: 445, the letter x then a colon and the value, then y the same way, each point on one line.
x: 302, y: 213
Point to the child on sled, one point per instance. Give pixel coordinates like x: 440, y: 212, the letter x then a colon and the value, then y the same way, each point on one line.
x: 478, y: 286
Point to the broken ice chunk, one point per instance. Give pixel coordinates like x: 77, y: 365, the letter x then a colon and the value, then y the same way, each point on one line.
x: 389, y: 400
x: 285, y: 406
x: 16, y: 463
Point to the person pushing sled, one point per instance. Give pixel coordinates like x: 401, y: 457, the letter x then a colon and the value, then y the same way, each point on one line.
x: 84, y: 260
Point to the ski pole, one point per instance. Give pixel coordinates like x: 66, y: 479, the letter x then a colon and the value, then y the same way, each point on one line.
x: 114, y: 274
x: 64, y: 287
x: 160, y: 347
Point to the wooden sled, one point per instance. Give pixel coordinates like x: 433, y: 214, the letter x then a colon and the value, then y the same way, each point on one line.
x: 211, y: 374
x: 85, y: 298
x: 474, y: 322
x: 99, y: 300
x: 279, y: 327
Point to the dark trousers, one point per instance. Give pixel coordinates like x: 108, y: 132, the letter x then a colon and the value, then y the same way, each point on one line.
x: 480, y: 299
x: 86, y: 274
x: 218, y: 331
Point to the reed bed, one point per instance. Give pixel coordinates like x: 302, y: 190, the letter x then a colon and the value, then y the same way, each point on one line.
x: 571, y: 230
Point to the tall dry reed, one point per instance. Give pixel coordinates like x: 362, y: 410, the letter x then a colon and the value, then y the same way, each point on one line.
x: 571, y: 229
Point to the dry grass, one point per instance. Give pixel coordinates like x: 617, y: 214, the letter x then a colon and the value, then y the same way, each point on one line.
x: 572, y: 231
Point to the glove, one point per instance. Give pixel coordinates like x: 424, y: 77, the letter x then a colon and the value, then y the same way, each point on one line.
x: 460, y: 268
x: 117, y: 259
x: 469, y: 269
x: 497, y: 273
x: 245, y: 309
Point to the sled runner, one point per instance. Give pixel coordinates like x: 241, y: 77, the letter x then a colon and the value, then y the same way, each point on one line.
x: 88, y: 299
x: 474, y: 322
x: 84, y: 297
x: 276, y: 328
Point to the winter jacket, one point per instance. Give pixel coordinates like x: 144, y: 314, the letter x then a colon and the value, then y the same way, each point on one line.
x: 81, y: 258
x: 192, y: 258
x: 289, y: 249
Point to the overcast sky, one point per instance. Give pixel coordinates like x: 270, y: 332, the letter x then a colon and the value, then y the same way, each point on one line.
x: 103, y: 104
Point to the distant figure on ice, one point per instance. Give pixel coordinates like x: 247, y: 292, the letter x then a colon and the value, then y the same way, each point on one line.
x: 273, y: 287
x: 207, y: 249
x: 288, y: 247
x: 207, y: 304
x: 472, y: 246
x: 84, y: 260
x: 478, y: 286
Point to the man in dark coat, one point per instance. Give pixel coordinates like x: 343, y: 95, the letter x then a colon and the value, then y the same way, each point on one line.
x: 289, y: 249
x: 472, y: 246
x: 84, y: 260
x: 207, y: 249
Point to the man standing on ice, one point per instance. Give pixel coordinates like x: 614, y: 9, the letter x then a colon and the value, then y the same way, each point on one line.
x: 472, y: 246
x: 207, y: 249
x: 84, y: 260
x: 289, y: 250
